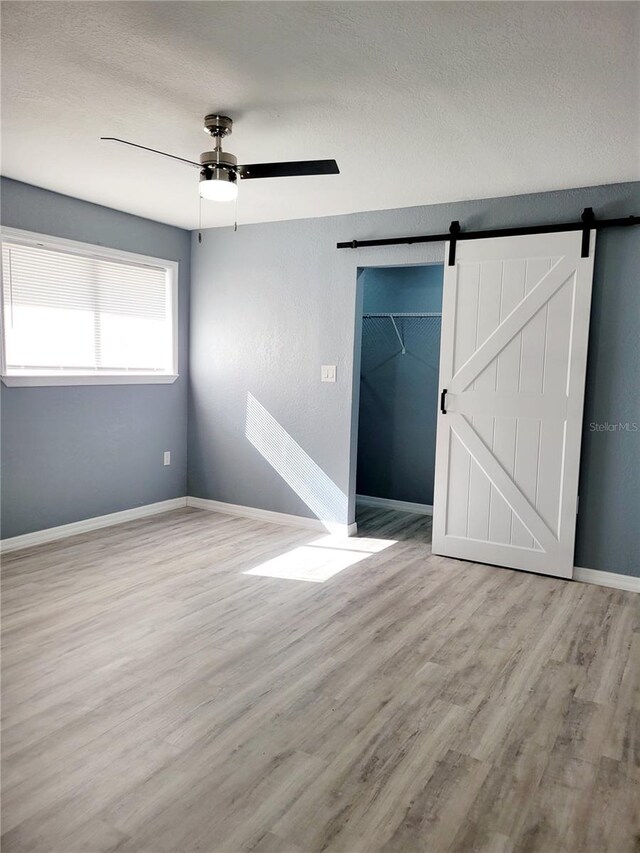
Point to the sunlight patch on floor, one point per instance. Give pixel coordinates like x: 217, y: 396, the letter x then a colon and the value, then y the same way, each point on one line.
x: 321, y: 559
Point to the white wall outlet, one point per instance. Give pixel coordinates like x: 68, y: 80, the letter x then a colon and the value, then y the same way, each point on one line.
x: 167, y: 457
x: 328, y: 373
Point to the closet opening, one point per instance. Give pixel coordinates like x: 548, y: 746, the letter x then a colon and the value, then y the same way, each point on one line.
x: 400, y: 318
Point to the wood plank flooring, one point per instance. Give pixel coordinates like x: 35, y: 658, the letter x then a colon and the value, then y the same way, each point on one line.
x: 164, y: 694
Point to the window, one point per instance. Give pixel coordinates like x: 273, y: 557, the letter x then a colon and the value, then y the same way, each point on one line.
x: 79, y: 314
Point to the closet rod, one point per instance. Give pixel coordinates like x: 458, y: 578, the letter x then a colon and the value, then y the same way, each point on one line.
x: 405, y: 314
x: 402, y: 315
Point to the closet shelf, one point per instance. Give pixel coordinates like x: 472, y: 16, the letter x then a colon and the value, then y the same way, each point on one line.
x: 402, y: 316
x: 405, y: 314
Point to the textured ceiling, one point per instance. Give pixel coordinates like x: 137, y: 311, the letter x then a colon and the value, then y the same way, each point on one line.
x: 418, y: 102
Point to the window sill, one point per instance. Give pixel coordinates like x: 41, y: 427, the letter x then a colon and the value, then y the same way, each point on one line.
x: 26, y: 381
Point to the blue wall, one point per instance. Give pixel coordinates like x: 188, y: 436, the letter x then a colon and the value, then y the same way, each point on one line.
x: 70, y: 453
x: 274, y: 301
x: 269, y: 305
x: 403, y: 289
x: 399, y: 392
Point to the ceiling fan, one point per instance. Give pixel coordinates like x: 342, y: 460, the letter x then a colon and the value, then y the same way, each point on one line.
x: 219, y: 170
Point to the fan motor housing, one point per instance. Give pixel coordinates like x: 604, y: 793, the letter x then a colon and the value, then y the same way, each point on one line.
x: 218, y: 161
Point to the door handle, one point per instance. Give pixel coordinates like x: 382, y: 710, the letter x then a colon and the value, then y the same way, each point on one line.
x: 443, y: 395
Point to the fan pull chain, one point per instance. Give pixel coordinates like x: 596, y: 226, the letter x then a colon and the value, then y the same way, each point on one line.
x: 199, y: 218
x: 235, y: 216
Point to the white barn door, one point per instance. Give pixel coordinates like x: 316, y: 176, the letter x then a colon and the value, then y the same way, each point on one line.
x: 515, y: 324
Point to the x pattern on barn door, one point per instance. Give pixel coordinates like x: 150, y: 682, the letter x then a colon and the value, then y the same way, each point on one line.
x: 515, y: 325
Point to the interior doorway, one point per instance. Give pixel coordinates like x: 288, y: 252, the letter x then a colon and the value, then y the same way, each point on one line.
x: 401, y: 309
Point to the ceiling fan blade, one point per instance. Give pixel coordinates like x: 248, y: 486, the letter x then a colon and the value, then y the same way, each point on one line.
x: 295, y: 168
x: 153, y: 150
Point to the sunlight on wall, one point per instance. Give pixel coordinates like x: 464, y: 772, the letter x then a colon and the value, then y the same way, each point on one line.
x: 321, y: 559
x: 296, y: 467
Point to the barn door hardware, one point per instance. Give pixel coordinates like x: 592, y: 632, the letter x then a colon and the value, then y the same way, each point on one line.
x: 589, y: 218
x: 587, y: 223
x: 454, y: 230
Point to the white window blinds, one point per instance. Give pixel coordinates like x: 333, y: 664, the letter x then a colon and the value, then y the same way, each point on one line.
x: 65, y: 312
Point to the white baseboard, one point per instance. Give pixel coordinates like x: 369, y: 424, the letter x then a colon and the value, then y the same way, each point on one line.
x: 52, y: 534
x: 611, y: 579
x: 273, y: 517
x: 388, y: 503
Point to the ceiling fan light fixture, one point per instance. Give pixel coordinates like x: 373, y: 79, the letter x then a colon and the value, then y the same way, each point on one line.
x: 219, y: 170
x: 218, y: 185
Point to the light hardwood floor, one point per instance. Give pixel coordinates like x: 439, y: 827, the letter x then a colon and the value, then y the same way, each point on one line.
x: 159, y: 699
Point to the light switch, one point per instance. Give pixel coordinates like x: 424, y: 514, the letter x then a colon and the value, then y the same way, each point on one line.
x: 167, y: 457
x: 328, y: 373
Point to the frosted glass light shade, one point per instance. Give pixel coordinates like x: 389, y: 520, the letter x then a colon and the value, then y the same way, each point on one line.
x: 219, y: 187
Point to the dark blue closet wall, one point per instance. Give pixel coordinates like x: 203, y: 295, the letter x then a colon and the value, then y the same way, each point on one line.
x: 399, y: 393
